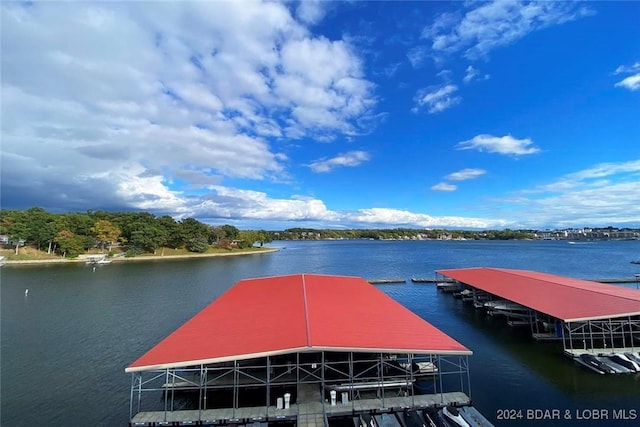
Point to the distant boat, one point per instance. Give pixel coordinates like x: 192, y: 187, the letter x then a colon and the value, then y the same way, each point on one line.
x: 98, y: 259
x: 1, y: 261
x: 635, y: 261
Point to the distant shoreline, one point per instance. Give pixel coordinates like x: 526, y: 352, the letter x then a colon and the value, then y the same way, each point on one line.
x: 83, y: 259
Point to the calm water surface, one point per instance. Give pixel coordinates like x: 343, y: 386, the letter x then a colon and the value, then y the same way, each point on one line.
x: 64, y: 347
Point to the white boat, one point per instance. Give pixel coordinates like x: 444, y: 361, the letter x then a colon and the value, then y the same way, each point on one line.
x: 98, y: 259
x: 625, y: 361
x: 505, y: 305
x: 452, y: 414
x: 507, y: 308
x: 619, y: 369
x: 366, y: 420
x: 474, y: 417
x: 2, y: 259
x: 591, y: 362
x: 449, y: 287
x: 493, y: 303
x: 633, y: 357
x: 420, y: 368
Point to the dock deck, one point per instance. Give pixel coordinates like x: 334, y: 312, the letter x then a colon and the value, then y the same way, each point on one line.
x: 306, y: 413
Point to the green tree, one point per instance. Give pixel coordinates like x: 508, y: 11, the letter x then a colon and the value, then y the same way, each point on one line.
x: 105, y: 232
x: 16, y: 227
x: 148, y: 237
x: 175, y: 238
x: 216, y: 234
x: 230, y: 232
x: 69, y: 243
x: 192, y: 229
x: 263, y: 237
x: 247, y: 238
x: 79, y: 223
x: 40, y: 226
x: 197, y: 244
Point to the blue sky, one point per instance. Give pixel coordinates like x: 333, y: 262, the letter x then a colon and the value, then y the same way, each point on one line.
x: 274, y: 115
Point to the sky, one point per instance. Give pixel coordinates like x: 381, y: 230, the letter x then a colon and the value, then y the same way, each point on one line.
x: 325, y: 114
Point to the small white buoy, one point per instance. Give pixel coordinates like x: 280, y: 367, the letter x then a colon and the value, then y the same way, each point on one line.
x: 26, y: 292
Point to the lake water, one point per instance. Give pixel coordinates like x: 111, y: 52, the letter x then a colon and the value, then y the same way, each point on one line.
x: 64, y: 347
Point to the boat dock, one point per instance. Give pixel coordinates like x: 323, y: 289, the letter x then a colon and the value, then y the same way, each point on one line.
x: 573, y: 352
x: 310, y: 411
x: 386, y: 281
x: 431, y: 280
x: 434, y: 280
x: 298, y: 366
x: 601, y: 319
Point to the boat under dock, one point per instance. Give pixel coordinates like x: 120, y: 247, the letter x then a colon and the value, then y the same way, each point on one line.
x: 574, y: 352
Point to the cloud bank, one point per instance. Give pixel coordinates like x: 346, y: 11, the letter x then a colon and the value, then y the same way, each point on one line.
x: 122, y: 105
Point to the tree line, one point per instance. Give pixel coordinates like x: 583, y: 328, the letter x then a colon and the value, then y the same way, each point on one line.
x: 71, y: 234
x: 400, y: 234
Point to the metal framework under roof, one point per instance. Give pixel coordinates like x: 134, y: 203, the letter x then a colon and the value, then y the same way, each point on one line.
x: 564, y: 298
x: 329, y: 345
x: 555, y: 308
x: 297, y: 386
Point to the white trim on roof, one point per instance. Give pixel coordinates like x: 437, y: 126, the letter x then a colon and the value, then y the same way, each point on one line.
x: 602, y: 317
x: 191, y: 363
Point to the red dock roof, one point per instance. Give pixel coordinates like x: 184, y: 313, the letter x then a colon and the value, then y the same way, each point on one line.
x: 564, y: 298
x: 276, y: 315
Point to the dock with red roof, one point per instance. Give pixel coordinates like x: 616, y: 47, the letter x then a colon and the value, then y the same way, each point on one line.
x: 587, y: 316
x: 302, y: 348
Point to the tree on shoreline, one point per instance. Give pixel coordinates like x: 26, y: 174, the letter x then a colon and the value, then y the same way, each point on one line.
x: 69, y: 243
x: 105, y: 232
x: 137, y: 232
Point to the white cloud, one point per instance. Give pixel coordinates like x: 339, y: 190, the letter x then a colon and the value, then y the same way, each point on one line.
x: 631, y: 82
x: 445, y: 75
x: 484, y: 26
x: 237, y: 204
x: 473, y: 74
x: 602, y: 195
x: 444, y: 186
x: 232, y: 205
x: 311, y: 11
x: 382, y: 216
x: 436, y: 99
x: 600, y: 175
x: 628, y: 69
x: 209, y: 87
x: 417, y: 55
x: 502, y: 145
x: 350, y: 159
x: 465, y: 174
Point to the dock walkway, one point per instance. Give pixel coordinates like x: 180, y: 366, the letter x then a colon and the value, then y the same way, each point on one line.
x: 309, y: 412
